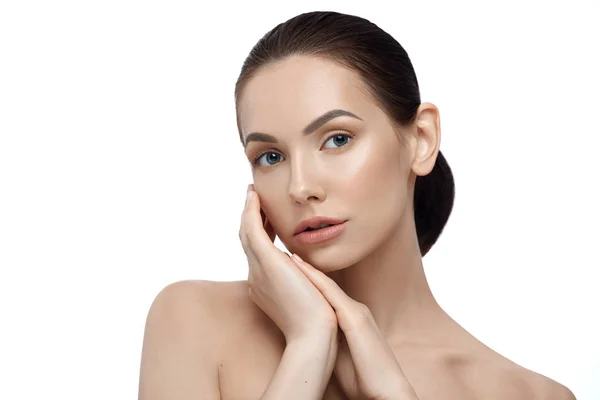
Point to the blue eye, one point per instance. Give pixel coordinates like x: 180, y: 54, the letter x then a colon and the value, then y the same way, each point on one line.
x: 256, y: 161
x: 338, y: 136
x: 269, y: 152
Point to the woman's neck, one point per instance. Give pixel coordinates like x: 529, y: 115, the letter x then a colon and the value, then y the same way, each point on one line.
x: 391, y: 282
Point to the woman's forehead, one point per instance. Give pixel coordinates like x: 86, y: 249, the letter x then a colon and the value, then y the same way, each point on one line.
x: 296, y: 90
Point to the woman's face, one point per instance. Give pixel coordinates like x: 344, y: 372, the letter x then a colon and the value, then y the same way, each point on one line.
x: 349, y: 168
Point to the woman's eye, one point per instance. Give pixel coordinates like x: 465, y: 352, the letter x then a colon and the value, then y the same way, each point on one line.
x: 337, y: 138
x: 267, y: 153
x: 272, y: 157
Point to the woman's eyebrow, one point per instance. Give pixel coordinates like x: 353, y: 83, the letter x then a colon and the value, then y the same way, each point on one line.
x: 310, y: 128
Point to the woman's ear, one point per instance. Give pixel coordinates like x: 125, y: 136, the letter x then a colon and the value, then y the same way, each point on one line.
x: 428, y: 139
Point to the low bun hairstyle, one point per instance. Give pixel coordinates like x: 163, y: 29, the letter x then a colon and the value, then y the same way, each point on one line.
x: 387, y: 72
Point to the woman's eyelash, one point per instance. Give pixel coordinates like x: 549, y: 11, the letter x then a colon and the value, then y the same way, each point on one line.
x: 262, y: 153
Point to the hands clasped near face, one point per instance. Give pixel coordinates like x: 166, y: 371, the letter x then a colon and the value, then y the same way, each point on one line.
x: 304, y: 302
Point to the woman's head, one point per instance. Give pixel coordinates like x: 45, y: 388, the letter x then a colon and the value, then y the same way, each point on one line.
x: 366, y: 164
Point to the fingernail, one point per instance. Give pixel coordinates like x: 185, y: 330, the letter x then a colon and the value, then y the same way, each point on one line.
x: 249, y: 196
x: 297, y: 257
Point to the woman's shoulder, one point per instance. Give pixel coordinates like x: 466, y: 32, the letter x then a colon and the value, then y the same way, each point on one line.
x: 191, y: 291
x: 241, y: 334
x: 489, y: 372
x: 534, y: 385
x: 211, y: 316
x: 467, y: 367
x: 183, y: 339
x: 224, y: 305
x: 537, y: 385
x: 220, y: 322
x: 213, y: 299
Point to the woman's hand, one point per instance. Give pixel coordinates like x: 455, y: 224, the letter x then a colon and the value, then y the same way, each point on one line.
x: 278, y: 286
x: 366, y: 367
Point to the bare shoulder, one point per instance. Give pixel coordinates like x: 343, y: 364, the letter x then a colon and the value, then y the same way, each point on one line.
x: 521, y: 383
x: 197, y: 305
x: 223, y: 307
x: 237, y: 310
x: 543, y: 387
x: 176, y: 305
x: 485, y: 374
x: 181, y: 343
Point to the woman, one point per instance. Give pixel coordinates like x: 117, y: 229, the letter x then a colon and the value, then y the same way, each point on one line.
x: 348, y: 174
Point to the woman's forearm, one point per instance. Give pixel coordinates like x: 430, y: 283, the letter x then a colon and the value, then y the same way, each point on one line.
x: 303, y: 372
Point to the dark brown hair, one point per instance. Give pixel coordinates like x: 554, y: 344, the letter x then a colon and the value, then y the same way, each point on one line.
x: 388, y: 74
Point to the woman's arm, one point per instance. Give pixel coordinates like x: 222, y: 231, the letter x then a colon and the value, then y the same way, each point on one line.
x: 179, y: 353
x: 303, y: 372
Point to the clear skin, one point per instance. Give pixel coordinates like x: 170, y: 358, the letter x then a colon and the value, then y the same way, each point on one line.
x: 277, y: 286
x: 367, y: 179
x: 219, y: 344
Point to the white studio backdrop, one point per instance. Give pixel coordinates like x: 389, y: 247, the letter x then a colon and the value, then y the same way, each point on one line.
x: 121, y: 172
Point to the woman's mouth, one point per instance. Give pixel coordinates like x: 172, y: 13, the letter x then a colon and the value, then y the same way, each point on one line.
x: 323, y: 233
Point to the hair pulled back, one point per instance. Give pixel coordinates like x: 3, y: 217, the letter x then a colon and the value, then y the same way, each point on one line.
x: 388, y: 74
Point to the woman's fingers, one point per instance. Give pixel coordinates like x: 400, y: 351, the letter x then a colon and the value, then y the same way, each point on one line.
x: 277, y: 286
x: 366, y: 364
x: 252, y: 233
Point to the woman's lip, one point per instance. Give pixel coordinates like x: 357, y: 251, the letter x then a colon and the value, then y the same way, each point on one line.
x: 316, y: 221
x: 320, y: 235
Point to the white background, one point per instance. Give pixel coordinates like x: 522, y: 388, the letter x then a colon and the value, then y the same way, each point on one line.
x: 121, y: 171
